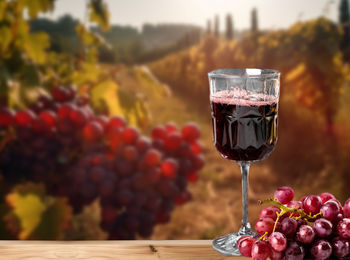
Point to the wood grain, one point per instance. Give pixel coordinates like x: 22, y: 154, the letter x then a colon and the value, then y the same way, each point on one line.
x: 108, y: 250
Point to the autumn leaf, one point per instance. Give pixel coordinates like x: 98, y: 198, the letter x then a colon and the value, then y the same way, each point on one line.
x: 35, y: 215
x: 99, y: 13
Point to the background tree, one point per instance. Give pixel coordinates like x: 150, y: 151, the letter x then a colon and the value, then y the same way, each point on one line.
x: 216, y: 26
x: 254, y: 20
x: 344, y: 20
x: 229, y: 27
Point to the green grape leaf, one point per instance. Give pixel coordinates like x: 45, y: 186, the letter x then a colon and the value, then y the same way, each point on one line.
x: 36, y: 6
x: 99, y: 14
x: 35, y: 47
x: 35, y: 215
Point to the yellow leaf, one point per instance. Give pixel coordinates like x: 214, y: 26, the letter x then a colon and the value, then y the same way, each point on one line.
x: 28, y: 209
x: 35, y: 215
x: 99, y: 14
x: 36, y: 45
x: 106, y: 93
x: 36, y: 6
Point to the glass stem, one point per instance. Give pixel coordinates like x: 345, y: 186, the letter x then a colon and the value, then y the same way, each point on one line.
x: 245, y: 172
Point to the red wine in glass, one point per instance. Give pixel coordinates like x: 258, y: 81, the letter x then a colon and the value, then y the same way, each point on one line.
x: 244, y: 130
x: 244, y: 106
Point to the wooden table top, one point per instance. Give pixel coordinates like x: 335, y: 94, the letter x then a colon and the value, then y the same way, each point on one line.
x: 108, y: 250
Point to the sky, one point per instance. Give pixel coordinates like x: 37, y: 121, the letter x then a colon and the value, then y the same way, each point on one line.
x: 272, y: 14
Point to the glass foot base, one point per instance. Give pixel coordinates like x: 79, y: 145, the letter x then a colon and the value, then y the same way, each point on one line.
x: 227, y: 244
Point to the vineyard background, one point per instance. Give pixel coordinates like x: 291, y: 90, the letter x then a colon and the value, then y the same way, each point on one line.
x: 159, y: 75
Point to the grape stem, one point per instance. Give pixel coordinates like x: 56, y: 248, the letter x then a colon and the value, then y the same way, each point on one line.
x: 285, y: 209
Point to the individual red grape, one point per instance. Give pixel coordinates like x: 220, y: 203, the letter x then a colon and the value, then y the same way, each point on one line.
x: 169, y: 168
x: 129, y: 135
x: 284, y: 194
x: 346, y: 209
x: 330, y: 210
x: 170, y: 128
x: 190, y: 132
x: 339, y: 204
x: 269, y: 212
x: 64, y: 111
x: 288, y: 227
x: 264, y: 225
x: 196, y: 148
x: 192, y: 176
x: 172, y: 141
x: 321, y: 250
x: 49, y: 118
x: 343, y: 228
x: 25, y: 117
x: 294, y: 251
x: 60, y: 94
x: 130, y: 153
x: 102, y: 120
x: 7, y: 116
x: 158, y: 132
x: 116, y: 121
x: 78, y: 116
x: 312, y: 204
x: 143, y: 143
x: 278, y: 241
x: 340, y: 247
x: 260, y: 250
x: 92, y: 131
x: 152, y: 157
x: 197, y: 161
x: 325, y: 196
x: 241, y: 238
x: 245, y: 245
x: 323, y: 227
x: 305, y: 234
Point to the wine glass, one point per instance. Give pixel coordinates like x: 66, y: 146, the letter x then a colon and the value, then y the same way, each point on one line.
x: 244, y: 106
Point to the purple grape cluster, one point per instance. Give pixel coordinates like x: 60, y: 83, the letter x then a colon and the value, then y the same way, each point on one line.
x: 314, y: 227
x: 62, y: 143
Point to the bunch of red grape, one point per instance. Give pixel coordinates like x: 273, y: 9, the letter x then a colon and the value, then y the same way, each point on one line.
x: 314, y: 227
x: 59, y: 141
